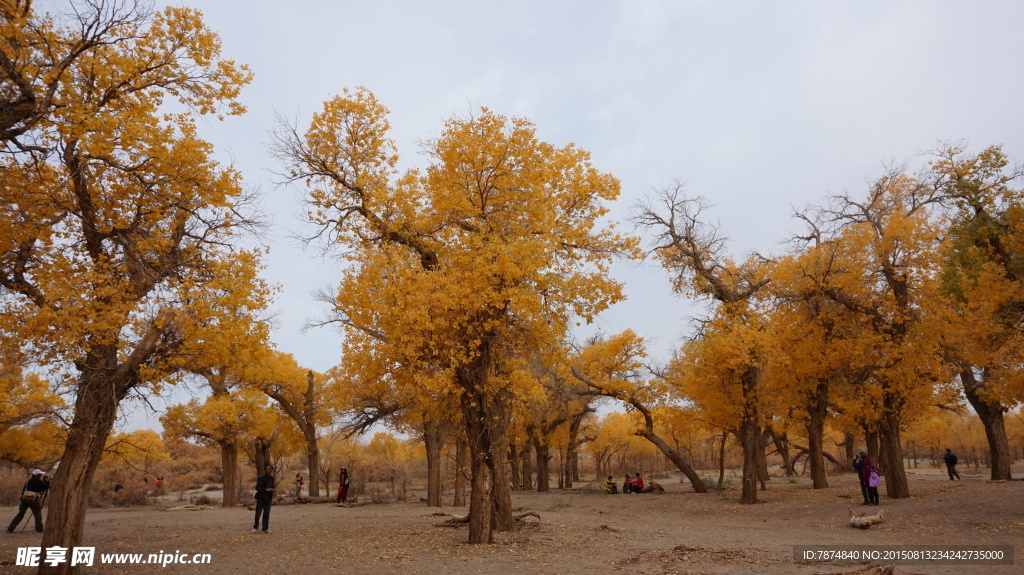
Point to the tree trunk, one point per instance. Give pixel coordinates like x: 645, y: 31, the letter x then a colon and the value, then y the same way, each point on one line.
x: 261, y: 449
x: 229, y: 472
x: 781, y: 441
x: 313, y: 458
x: 99, y: 394
x: 750, y: 440
x: 890, y: 456
x: 871, y: 445
x: 678, y: 460
x: 459, y: 489
x: 750, y: 436
x: 721, y: 461
x: 486, y: 415
x: 543, y: 472
x: 500, y: 408
x: 571, y: 469
x: 433, y: 438
x: 480, y: 529
x: 528, y: 462
x: 817, y: 410
x: 762, y: 460
x: 514, y: 457
x: 991, y: 415
x: 848, y: 439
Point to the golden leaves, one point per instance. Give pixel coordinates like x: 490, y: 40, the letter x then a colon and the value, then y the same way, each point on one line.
x: 133, y: 204
x: 498, y: 240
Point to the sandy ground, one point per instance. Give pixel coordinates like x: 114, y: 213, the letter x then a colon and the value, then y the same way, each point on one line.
x: 578, y: 532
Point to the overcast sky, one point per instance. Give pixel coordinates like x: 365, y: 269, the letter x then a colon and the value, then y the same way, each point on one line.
x: 759, y: 106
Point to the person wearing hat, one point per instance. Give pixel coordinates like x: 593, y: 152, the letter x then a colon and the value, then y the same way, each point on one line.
x: 32, y: 498
x: 343, y: 482
x: 858, y: 465
x: 264, y: 499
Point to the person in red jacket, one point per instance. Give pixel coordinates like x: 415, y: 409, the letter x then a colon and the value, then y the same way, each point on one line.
x: 343, y: 483
x: 638, y: 484
x: 865, y: 476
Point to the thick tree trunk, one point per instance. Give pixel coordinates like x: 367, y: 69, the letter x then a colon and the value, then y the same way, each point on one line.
x: 762, y: 460
x: 486, y: 415
x: 228, y: 446
x: 991, y: 415
x: 528, y: 464
x: 313, y: 459
x: 750, y: 441
x: 480, y: 527
x: 499, y: 408
x: 229, y: 472
x: 571, y: 468
x: 871, y: 445
x: 477, y: 436
x: 543, y: 471
x: 890, y: 456
x: 434, y: 440
x: 817, y: 410
x: 95, y: 411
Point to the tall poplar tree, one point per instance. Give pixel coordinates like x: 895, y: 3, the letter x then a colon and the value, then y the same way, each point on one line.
x: 983, y: 277
x: 492, y: 250
x: 117, y: 219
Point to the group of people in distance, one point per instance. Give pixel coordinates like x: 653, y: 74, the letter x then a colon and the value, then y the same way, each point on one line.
x: 869, y: 478
x: 629, y: 485
x: 264, y: 495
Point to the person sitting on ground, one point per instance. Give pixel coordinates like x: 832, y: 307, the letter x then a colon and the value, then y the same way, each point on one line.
x: 610, y: 486
x: 638, y: 484
x: 627, y: 484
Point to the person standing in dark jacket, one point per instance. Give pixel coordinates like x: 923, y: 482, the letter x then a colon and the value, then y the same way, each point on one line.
x: 32, y: 498
x: 858, y: 466
x: 264, y: 497
x: 950, y: 459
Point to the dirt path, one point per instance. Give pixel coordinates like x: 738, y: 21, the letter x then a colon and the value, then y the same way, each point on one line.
x: 579, y: 532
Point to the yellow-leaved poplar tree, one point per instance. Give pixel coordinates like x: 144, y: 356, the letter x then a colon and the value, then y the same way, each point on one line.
x: 31, y: 428
x: 492, y: 250
x: 983, y: 279
x: 891, y: 245
x: 692, y: 250
x: 115, y: 213
x: 613, y: 367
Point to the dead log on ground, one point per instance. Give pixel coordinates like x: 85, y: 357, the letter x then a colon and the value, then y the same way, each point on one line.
x: 653, y: 487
